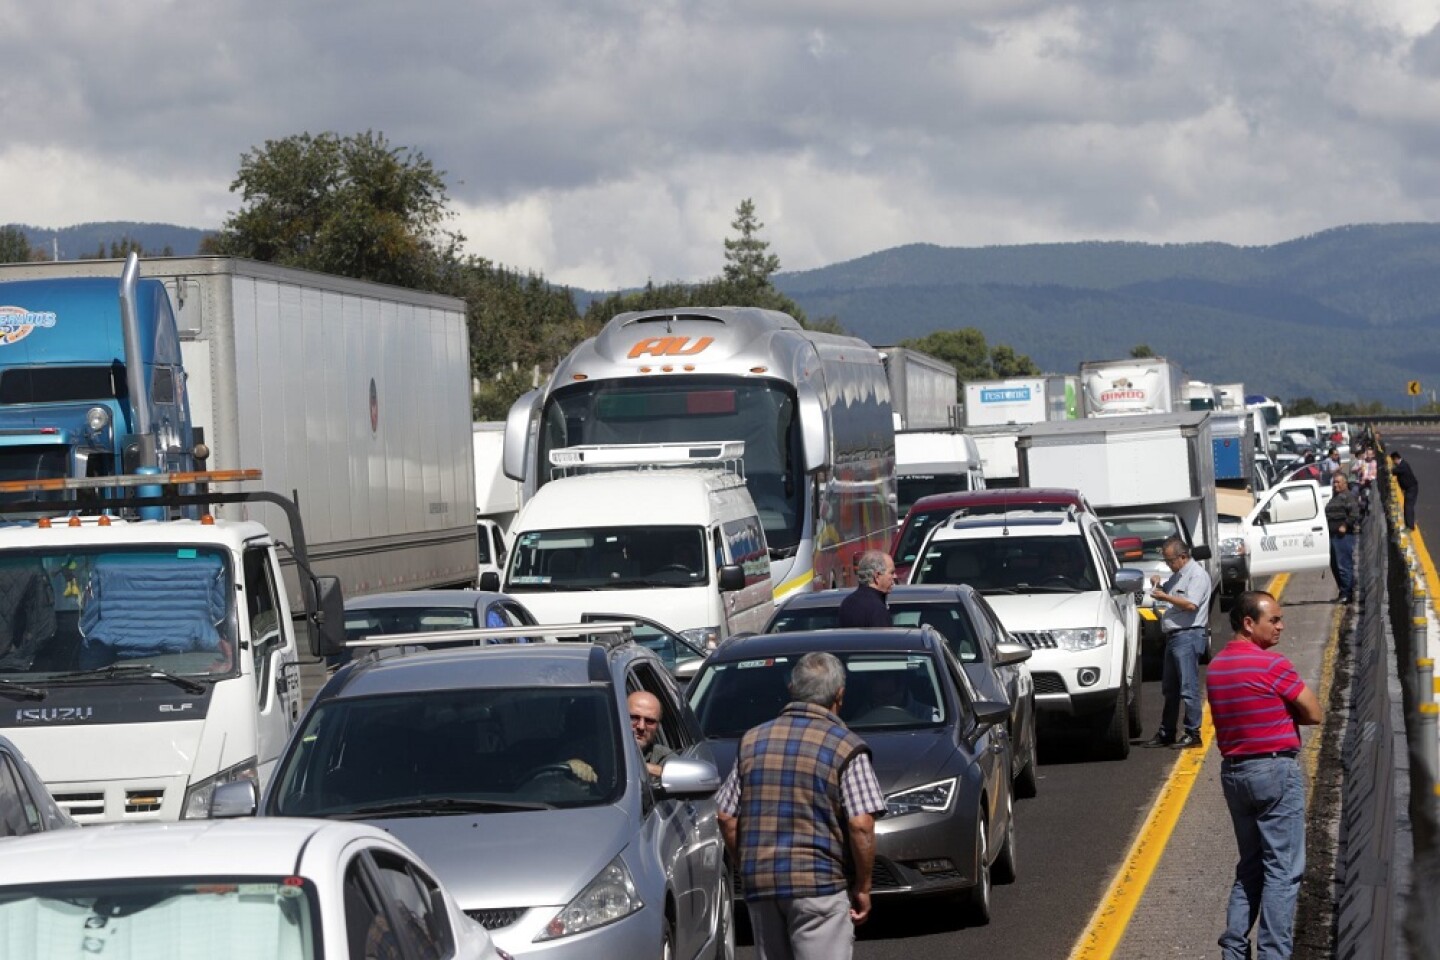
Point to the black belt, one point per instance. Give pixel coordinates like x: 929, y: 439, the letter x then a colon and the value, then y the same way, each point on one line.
x: 1272, y: 755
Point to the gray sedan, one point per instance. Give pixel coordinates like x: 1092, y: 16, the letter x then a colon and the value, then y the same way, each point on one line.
x: 994, y: 663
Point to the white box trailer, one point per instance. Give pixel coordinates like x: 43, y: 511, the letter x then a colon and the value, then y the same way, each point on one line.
x: 1020, y: 400
x: 999, y: 460
x: 1146, y: 385
x: 352, y: 397
x: 922, y: 389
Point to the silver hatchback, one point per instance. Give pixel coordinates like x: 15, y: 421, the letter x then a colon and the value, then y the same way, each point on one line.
x: 513, y: 771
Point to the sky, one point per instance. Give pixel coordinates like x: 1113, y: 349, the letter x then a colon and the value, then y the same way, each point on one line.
x: 604, y: 143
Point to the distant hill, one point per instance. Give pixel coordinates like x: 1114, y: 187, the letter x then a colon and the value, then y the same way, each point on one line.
x: 1348, y: 314
x: 82, y: 241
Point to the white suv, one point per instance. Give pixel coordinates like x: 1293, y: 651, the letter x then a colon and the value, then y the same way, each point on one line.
x: 1053, y: 580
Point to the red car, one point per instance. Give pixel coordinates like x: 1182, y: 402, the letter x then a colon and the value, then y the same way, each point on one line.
x: 931, y: 510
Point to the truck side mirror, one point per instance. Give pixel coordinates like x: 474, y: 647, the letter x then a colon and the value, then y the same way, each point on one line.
x: 517, y: 433
x: 490, y: 580
x: 327, y: 637
x: 814, y: 428
x: 732, y: 577
x: 1201, y: 552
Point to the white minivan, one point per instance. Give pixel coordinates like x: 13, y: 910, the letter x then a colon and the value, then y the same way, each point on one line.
x: 667, y: 532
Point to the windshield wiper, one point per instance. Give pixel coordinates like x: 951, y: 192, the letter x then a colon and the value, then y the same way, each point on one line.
x: 131, y: 671
x: 19, y: 691
x: 435, y: 806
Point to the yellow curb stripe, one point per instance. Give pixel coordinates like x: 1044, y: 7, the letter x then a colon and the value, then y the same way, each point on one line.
x: 1102, y: 935
x: 1310, y: 754
x: 1432, y: 579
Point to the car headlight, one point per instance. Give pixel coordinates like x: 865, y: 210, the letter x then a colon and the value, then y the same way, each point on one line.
x: 1232, y: 547
x: 933, y: 797
x: 703, y: 637
x: 197, y: 798
x: 1082, y: 638
x: 607, y: 898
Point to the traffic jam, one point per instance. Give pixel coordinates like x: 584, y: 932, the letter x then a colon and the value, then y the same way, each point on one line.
x: 254, y: 710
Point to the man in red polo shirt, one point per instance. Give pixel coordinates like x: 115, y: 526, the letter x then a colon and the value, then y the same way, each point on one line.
x: 1257, y: 702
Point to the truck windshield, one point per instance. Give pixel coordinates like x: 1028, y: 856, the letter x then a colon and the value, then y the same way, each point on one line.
x: 162, y: 918
x: 911, y: 487
x: 762, y: 413
x: 79, y: 610
x: 607, y: 558
x: 455, y: 751
x: 1013, y: 564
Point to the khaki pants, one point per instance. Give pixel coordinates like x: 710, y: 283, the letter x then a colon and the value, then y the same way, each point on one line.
x: 805, y: 928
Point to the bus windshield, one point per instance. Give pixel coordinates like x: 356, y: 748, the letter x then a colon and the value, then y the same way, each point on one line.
x: 762, y: 413
x: 63, y: 611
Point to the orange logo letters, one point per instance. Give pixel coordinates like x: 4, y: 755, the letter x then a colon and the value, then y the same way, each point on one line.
x: 669, y: 347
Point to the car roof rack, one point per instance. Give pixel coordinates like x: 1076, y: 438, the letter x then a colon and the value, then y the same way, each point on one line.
x: 609, y: 633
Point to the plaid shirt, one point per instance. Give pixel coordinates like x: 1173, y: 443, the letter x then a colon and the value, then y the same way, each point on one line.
x: 796, y: 781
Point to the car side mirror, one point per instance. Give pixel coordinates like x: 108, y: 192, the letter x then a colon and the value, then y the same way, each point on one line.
x: 238, y: 798
x: 685, y: 777
x: 1010, y: 653
x: 989, y: 713
x: 490, y: 580
x: 732, y: 577
x: 1129, y: 581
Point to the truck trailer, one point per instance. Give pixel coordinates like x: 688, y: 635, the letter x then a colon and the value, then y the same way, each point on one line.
x: 351, y: 397
x: 1146, y: 385
x: 923, y: 389
x: 1020, y: 400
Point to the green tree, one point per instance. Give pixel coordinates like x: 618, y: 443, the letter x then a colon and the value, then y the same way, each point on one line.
x: 747, y: 260
x: 1141, y: 351
x: 14, y: 246
x: 1005, y: 362
x: 354, y: 206
x: 964, y: 349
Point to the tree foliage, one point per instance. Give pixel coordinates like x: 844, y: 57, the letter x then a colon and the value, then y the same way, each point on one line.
x: 1141, y: 351
x: 747, y: 260
x: 122, y: 248
x: 353, y: 206
x: 14, y: 247
x: 966, y: 350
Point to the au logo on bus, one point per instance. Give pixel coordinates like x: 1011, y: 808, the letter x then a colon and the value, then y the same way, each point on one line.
x: 669, y: 347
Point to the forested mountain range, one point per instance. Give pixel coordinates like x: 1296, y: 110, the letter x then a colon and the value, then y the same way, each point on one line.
x: 1349, y: 314
x: 84, y: 240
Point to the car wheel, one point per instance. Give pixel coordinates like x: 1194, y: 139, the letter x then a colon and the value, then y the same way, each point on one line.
x: 1115, y: 725
x: 1027, y: 781
x: 1006, y: 864
x: 725, y: 918
x: 977, y: 898
x: 1137, y: 727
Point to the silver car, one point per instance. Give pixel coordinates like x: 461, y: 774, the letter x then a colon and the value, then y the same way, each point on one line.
x: 514, y: 772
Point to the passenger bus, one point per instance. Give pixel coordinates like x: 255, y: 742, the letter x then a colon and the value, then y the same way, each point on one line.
x: 812, y: 409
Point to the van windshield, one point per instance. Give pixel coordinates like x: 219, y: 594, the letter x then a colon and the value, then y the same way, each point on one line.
x: 607, y: 558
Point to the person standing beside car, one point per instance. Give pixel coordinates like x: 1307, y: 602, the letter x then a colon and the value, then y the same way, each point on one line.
x: 1342, y: 515
x: 1185, y: 624
x: 798, y: 815
x: 866, y: 607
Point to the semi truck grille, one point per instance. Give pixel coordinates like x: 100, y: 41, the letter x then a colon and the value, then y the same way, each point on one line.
x: 82, y: 804
x: 1048, y: 683
x: 497, y: 917
x: 1036, y: 640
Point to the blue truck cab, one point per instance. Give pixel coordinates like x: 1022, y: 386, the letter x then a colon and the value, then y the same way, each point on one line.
x: 91, y: 380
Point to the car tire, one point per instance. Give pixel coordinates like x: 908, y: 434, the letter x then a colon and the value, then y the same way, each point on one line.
x: 1114, y: 726
x: 1137, y: 723
x: 1004, y: 870
x: 977, y: 898
x: 725, y: 922
x: 1027, y: 781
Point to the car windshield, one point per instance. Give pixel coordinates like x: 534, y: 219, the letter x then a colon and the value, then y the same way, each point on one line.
x: 1152, y: 531
x: 1013, y: 564
x: 607, y: 558
x: 883, y: 691
x: 220, y: 918
x: 455, y: 750
x: 67, y: 611
x: 948, y: 618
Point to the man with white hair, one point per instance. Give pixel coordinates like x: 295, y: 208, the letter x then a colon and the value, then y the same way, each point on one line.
x: 866, y: 607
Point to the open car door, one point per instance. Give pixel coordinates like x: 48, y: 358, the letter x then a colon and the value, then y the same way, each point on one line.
x: 1286, y: 532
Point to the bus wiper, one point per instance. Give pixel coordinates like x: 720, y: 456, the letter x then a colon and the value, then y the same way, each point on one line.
x: 19, y: 691
x: 432, y: 806
x: 131, y: 671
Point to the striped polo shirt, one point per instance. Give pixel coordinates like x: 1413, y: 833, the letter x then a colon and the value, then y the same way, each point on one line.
x: 1248, y: 689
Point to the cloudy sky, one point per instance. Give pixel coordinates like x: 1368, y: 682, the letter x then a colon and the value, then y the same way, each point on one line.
x: 607, y: 142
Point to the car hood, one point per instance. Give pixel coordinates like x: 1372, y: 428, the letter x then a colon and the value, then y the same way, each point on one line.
x: 530, y: 859
x: 901, y: 759
x: 1047, y: 611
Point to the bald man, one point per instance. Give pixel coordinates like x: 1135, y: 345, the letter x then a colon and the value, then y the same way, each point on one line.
x: 645, y: 714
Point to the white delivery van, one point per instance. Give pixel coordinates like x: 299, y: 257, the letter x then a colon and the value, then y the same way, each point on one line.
x: 667, y: 532
x: 934, y: 461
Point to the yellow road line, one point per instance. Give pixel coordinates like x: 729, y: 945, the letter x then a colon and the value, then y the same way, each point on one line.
x: 1102, y: 935
x: 1310, y: 754
x: 1432, y: 579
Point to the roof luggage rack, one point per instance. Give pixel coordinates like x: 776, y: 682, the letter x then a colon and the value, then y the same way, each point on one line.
x: 609, y: 633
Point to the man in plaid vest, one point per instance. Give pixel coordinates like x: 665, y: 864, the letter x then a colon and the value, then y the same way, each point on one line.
x: 798, y: 813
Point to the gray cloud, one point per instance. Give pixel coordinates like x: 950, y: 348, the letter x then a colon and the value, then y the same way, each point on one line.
x: 607, y: 142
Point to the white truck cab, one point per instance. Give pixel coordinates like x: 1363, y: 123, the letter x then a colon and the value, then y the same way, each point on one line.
x: 1053, y: 580
x: 928, y: 462
x: 146, y: 662
x: 664, y: 531
x: 1284, y: 532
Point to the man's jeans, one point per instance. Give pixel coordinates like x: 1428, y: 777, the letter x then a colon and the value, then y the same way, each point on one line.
x: 1342, y: 563
x: 1267, y: 805
x: 1180, y: 680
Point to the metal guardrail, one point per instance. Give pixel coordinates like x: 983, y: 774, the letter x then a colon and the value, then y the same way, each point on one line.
x: 1383, y: 419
